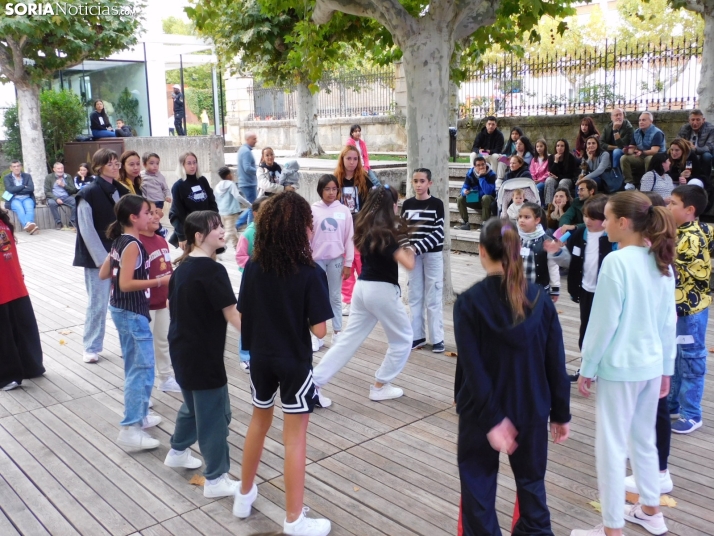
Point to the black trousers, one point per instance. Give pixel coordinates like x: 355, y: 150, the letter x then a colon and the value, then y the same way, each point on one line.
x: 586, y: 305
x: 178, y: 123
x: 478, y: 470
x: 20, y: 348
x: 663, y: 429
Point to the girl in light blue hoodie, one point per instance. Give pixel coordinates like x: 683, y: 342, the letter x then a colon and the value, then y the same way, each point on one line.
x: 630, y: 346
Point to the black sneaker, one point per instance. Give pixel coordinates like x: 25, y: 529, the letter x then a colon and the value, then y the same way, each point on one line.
x: 438, y: 347
x: 574, y: 377
x: 416, y: 345
x: 58, y: 226
x: 465, y: 227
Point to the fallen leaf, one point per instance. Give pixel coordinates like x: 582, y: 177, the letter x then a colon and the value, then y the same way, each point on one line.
x: 197, y: 480
x: 65, y: 332
x: 62, y: 342
x: 356, y: 488
x: 560, y: 312
x: 666, y: 500
x: 711, y: 350
x: 450, y: 354
x: 596, y: 505
x: 631, y: 498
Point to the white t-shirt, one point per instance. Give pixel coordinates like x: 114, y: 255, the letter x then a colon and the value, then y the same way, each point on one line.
x: 592, y: 249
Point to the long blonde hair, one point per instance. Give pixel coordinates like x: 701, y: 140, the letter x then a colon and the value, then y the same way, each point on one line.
x: 180, y: 171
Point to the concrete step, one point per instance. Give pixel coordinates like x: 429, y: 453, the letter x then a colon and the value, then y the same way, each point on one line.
x: 465, y: 241
x: 454, y: 218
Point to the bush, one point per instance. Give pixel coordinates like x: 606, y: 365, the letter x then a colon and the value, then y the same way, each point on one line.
x: 198, y: 100
x: 12, y: 146
x: 194, y: 130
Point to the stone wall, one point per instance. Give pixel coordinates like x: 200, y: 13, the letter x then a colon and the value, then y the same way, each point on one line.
x: 395, y: 177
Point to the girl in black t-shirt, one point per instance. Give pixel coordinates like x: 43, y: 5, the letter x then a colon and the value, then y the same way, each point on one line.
x: 128, y: 267
x: 377, y: 296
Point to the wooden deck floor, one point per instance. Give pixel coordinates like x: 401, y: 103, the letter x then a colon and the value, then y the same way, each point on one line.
x: 373, y: 468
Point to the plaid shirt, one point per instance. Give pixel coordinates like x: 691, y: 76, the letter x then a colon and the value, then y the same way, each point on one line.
x: 529, y: 265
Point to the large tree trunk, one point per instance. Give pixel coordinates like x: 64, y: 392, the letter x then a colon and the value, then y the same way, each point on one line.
x: 426, y: 68
x: 706, y: 87
x: 33, y: 145
x: 307, y: 139
x: 453, y: 104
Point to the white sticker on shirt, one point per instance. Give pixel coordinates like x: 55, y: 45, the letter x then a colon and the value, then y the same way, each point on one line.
x: 339, y: 215
x: 101, y: 120
x: 576, y: 251
x: 196, y: 188
x: 685, y: 339
x: 525, y: 252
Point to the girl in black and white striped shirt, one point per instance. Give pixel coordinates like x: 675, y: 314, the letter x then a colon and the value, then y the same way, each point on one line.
x: 128, y: 267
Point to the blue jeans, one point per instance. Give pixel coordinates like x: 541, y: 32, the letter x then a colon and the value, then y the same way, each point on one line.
x: 243, y: 354
x: 685, y: 395
x: 616, y: 155
x: 250, y: 193
x: 25, y: 209
x: 103, y: 134
x: 137, y: 349
x: 96, y: 317
x: 541, y: 192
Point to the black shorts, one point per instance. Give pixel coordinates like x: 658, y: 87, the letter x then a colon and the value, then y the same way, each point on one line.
x: 294, y: 378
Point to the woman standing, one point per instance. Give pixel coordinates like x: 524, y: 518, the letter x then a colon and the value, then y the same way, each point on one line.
x: 356, y: 140
x: 99, y: 122
x: 20, y: 346
x: 510, y: 381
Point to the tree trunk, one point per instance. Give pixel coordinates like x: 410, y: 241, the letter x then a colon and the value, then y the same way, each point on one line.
x: 307, y: 139
x: 706, y: 88
x: 426, y: 58
x: 453, y: 104
x: 34, y: 159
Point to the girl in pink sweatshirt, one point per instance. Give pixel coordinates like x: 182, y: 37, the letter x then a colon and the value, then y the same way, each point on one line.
x: 332, y: 246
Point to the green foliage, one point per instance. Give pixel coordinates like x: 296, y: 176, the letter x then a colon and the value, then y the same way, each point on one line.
x: 199, y: 99
x: 194, y: 130
x: 176, y: 26
x: 12, y: 146
x: 127, y: 108
x: 199, y: 77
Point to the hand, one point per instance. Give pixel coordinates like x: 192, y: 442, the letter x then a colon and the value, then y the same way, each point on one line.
x: 584, y: 386
x: 559, y: 432
x: 484, y: 151
x: 691, y: 145
x: 638, y: 153
x: 346, y: 272
x: 616, y: 126
x: 578, y: 153
x: 182, y: 245
x: 464, y: 193
x: 682, y: 180
x: 502, y: 437
x: 552, y: 246
x: 664, y: 388
x: 165, y: 280
x: 554, y: 297
x: 59, y: 201
x: 168, y: 200
x: 686, y: 173
x: 59, y: 182
x: 289, y: 188
x: 566, y: 228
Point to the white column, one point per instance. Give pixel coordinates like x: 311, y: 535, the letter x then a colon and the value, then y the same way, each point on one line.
x: 156, y: 80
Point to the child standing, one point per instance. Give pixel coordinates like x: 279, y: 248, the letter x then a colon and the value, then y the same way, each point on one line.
x: 153, y: 183
x: 157, y: 251
x: 515, y: 207
x: 426, y: 215
x: 694, y: 245
x: 332, y: 246
x: 228, y: 199
x: 630, y: 347
x: 283, y: 289
x: 510, y: 379
x: 377, y: 296
x: 538, y: 267
x: 202, y: 302
x: 128, y: 267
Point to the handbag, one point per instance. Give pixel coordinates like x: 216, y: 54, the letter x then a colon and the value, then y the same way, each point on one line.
x: 611, y: 180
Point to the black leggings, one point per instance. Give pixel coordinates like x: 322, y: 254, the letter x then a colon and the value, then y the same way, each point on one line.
x: 663, y: 428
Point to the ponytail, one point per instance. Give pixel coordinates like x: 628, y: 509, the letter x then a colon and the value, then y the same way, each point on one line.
x: 127, y: 206
x: 502, y: 243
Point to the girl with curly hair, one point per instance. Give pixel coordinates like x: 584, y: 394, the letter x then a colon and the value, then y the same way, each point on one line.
x: 378, y: 235
x: 282, y: 292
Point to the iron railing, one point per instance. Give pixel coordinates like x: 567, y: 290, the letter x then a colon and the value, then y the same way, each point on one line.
x: 651, y: 76
x: 345, y: 94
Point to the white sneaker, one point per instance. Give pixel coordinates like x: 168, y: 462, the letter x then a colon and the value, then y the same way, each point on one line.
x: 386, y: 392
x: 305, y: 526
x: 151, y: 403
x: 175, y: 458
x: 652, y: 524
x: 10, y: 386
x: 322, y: 401
x: 245, y: 366
x: 597, y: 531
x: 243, y: 503
x: 665, y: 483
x: 315, y: 343
x: 31, y: 227
x: 150, y: 421
x: 90, y: 357
x: 170, y: 385
x: 224, y: 486
x: 346, y: 309
x: 629, y: 186
x: 134, y: 437
x: 335, y: 338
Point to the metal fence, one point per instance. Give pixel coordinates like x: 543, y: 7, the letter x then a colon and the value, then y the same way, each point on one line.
x: 343, y: 95
x: 652, y: 76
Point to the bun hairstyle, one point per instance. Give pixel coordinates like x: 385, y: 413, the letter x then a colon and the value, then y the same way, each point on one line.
x: 127, y: 206
x: 655, y: 223
x: 500, y: 239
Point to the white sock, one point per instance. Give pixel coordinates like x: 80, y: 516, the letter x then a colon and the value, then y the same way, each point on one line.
x: 174, y: 452
x: 214, y: 481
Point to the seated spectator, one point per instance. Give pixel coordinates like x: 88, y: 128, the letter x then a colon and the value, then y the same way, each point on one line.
x: 656, y: 178
x: 587, y: 129
x: 59, y: 192
x: 573, y: 217
x: 700, y: 135
x: 83, y: 176
x: 524, y: 149
x: 562, y: 169
x: 648, y: 141
x: 123, y: 131
x: 517, y: 168
x: 616, y: 136
x: 539, y: 166
x: 598, y: 162
x: 560, y: 205
x: 99, y: 122
x: 480, y: 187
x: 20, y: 187
x: 509, y: 149
x: 488, y: 143
x: 683, y: 164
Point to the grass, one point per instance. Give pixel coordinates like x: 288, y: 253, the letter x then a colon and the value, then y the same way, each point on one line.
x: 389, y: 157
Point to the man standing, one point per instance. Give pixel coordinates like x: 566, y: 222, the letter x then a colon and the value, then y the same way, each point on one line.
x: 700, y: 135
x: 489, y: 143
x: 648, y: 141
x: 247, y: 176
x: 22, y: 201
x: 179, y: 111
x: 616, y: 136
x: 59, y: 191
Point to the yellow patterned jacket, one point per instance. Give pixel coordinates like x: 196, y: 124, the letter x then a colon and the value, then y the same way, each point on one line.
x: 695, y: 242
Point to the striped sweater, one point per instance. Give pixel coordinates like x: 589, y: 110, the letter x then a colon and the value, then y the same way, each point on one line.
x: 426, y: 217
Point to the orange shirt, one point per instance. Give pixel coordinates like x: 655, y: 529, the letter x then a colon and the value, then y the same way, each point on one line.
x: 12, y: 282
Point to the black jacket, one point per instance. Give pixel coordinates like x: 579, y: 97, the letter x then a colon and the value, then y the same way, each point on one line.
x: 507, y: 370
x: 575, y: 270
x: 94, y: 121
x: 523, y: 171
x: 568, y: 168
x: 185, y: 202
x: 493, y: 143
x: 98, y: 194
x: 179, y: 107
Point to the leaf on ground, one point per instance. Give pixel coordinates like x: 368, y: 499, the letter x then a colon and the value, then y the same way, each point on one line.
x: 596, y: 505
x: 711, y: 350
x: 450, y: 354
x: 666, y: 500
x: 356, y: 488
x: 631, y: 498
x: 65, y: 332
x: 197, y: 480
x: 559, y: 311
x: 62, y: 342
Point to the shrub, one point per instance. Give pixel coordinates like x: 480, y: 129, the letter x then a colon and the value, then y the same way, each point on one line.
x: 194, y: 130
x: 127, y: 108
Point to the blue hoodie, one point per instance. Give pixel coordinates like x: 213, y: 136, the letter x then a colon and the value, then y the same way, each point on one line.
x: 484, y: 185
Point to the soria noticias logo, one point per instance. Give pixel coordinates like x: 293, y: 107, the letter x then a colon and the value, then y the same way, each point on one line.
x: 37, y: 9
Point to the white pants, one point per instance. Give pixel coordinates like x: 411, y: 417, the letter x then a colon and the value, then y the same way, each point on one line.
x: 159, y: 325
x: 372, y: 302
x: 426, y: 282
x: 333, y: 269
x: 626, y: 414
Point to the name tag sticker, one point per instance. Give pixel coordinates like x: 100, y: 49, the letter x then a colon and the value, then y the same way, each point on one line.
x: 339, y: 215
x: 196, y: 188
x: 685, y: 339
x: 525, y: 252
x: 101, y: 120
x: 167, y: 256
x: 576, y: 251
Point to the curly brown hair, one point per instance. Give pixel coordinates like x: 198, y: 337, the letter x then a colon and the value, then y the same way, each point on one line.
x: 376, y: 222
x: 281, y: 238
